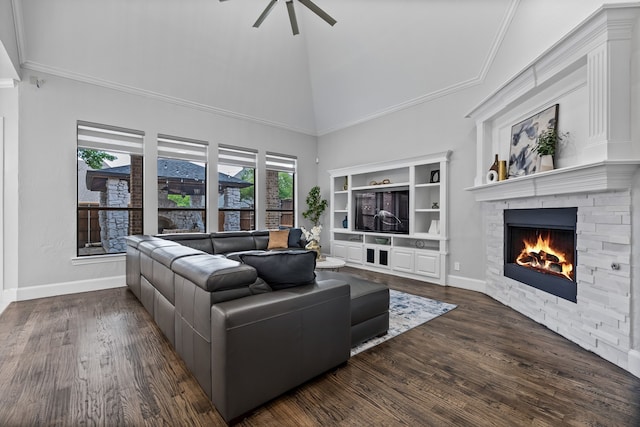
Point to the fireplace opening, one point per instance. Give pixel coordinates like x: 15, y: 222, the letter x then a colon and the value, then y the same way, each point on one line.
x: 540, y: 249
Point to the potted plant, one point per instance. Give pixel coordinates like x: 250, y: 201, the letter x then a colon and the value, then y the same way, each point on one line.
x: 546, y: 147
x: 316, y: 206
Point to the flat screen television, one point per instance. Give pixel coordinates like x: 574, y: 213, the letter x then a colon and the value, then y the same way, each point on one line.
x: 382, y: 211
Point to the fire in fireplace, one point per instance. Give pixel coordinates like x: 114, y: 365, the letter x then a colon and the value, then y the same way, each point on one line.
x: 540, y: 249
x: 543, y: 254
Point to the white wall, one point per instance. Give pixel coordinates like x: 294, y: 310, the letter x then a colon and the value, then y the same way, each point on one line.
x: 9, y: 111
x: 45, y: 236
x: 441, y: 124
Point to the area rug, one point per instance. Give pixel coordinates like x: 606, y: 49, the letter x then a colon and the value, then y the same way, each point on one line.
x: 406, y: 311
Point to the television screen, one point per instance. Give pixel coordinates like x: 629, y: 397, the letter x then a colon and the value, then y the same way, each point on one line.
x: 382, y: 211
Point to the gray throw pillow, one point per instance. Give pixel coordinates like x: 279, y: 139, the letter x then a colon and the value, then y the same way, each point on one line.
x: 283, y: 269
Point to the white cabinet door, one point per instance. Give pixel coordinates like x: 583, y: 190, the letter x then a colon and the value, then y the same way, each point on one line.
x: 428, y: 264
x: 339, y: 250
x: 402, y: 260
x: 354, y: 254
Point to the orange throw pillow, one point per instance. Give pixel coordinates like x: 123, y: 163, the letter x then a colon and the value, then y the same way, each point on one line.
x: 278, y: 239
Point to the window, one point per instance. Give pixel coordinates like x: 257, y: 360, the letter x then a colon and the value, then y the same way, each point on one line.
x: 280, y: 211
x: 109, y: 188
x: 182, y: 185
x: 236, y: 189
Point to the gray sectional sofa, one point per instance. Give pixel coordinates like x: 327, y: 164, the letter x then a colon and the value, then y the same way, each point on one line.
x: 247, y: 339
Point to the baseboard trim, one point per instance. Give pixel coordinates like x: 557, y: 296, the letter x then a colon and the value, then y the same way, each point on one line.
x: 7, y: 297
x: 64, y: 288
x: 467, y: 283
x: 634, y: 362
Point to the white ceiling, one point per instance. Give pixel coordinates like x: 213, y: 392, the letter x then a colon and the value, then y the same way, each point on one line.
x: 381, y: 56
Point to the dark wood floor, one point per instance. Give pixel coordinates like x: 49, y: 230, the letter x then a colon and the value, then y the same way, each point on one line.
x: 98, y: 359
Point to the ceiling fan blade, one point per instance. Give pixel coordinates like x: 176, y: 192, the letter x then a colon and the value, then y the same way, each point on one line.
x: 264, y: 14
x: 292, y: 17
x: 321, y: 13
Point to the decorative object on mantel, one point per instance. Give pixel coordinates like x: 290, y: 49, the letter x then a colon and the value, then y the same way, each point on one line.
x: 345, y: 186
x: 435, y: 176
x: 345, y: 222
x: 435, y: 205
x: 492, y: 175
x: 524, y: 138
x: 494, y: 166
x: 502, y: 170
x: 435, y: 226
x: 546, y: 147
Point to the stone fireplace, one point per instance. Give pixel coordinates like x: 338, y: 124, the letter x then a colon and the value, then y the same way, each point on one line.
x: 540, y: 249
x: 599, y: 318
x: 593, y: 74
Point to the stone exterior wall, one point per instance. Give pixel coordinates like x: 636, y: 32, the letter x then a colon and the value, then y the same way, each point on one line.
x: 181, y: 219
x: 114, y: 225
x: 231, y: 199
x: 272, y: 220
x: 601, y: 319
x: 136, y: 185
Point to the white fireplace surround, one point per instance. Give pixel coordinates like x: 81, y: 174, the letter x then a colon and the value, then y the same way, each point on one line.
x: 594, y: 74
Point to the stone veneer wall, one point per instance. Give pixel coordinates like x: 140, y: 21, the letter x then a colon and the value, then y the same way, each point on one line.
x: 114, y: 225
x: 601, y: 320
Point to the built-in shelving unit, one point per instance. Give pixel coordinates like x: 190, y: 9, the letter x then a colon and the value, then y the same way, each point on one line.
x: 420, y: 249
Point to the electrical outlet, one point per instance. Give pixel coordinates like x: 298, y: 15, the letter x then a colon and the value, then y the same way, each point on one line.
x: 456, y: 266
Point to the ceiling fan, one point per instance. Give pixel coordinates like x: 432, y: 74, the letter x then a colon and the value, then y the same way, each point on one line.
x: 292, y: 14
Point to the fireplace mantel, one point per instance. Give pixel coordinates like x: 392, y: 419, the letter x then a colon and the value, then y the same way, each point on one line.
x: 595, y: 177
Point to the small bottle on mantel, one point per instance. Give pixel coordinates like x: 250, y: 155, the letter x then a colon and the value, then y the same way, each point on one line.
x: 495, y: 165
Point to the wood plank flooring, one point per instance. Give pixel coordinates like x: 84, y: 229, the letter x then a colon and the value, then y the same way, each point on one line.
x: 98, y: 359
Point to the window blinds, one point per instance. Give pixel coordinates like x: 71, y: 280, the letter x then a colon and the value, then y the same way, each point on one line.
x: 109, y: 138
x: 182, y: 148
x: 237, y: 156
x: 281, y: 162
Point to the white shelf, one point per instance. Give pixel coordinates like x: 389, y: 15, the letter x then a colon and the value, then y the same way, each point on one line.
x: 601, y: 176
x: 418, y: 254
x: 382, y: 186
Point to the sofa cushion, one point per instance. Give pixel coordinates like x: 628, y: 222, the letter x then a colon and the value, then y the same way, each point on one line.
x: 200, y: 241
x: 295, y: 238
x: 283, y: 269
x: 232, y: 241
x: 278, y: 239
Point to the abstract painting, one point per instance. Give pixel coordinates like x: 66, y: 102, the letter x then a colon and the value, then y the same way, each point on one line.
x: 523, y: 160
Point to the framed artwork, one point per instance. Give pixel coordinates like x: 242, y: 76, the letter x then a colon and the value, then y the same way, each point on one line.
x: 435, y: 176
x: 523, y: 160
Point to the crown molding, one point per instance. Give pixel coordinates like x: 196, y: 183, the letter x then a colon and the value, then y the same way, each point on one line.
x: 34, y: 66
x: 431, y: 96
x: 457, y: 87
x: 8, y: 83
x: 18, y: 23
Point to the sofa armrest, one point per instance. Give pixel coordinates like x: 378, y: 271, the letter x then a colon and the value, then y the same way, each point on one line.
x: 264, y: 345
x: 214, y: 272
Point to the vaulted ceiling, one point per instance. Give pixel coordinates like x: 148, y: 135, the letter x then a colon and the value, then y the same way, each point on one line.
x: 382, y: 55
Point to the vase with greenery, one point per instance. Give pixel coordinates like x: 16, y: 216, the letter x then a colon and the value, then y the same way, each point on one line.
x: 546, y: 147
x: 316, y: 206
